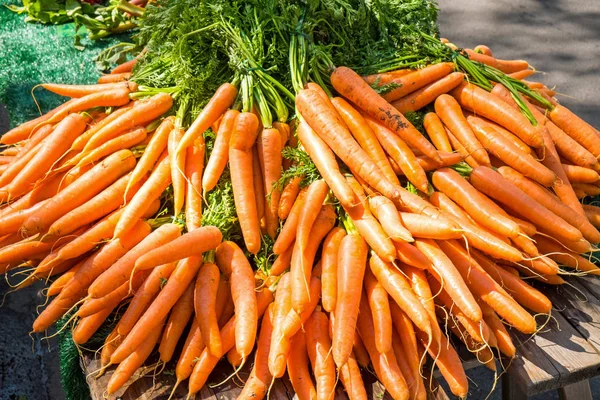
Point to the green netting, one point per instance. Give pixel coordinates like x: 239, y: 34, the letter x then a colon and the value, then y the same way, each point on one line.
x: 33, y: 53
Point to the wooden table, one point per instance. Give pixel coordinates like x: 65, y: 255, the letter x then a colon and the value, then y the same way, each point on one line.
x: 562, y: 356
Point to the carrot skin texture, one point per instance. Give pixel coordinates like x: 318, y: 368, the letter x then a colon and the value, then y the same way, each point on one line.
x: 318, y: 345
x: 426, y: 95
x: 417, y: 79
x: 351, y: 86
x: 298, y: 369
x: 352, y: 261
x: 329, y: 263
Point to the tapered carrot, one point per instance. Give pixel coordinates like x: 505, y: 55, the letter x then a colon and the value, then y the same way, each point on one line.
x: 280, y: 343
x: 368, y: 227
x: 220, y: 154
x: 506, y: 66
x: 194, y: 164
x: 449, y: 111
x: 509, y: 153
x: 179, y: 280
x: 577, y: 174
x: 365, y: 137
x: 11, y: 223
x: 294, y: 321
x: 241, y: 142
x: 389, y: 218
x: 351, y: 86
x: 414, y: 383
x: 386, y: 77
x: 269, y: 154
x: 218, y: 104
x: 326, y: 163
x: 76, y: 91
x: 303, y: 259
x: 329, y: 263
x: 505, y: 343
x: 143, y: 297
x: 82, y: 140
x: 177, y: 160
x: 565, y: 257
x: 298, y: 369
x: 232, y: 261
x: 283, y: 262
x: 315, y: 196
x: 100, y: 205
x: 483, y: 49
x: 121, y: 270
x: 486, y: 180
x: 401, y: 154
x: 207, y: 362
x: 385, y: 365
x: 125, y: 141
x: 399, y: 290
x: 87, y: 326
x: 181, y: 314
x: 57, y: 143
x: 426, y: 95
x: 422, y: 226
x: 417, y: 79
x: 141, y: 113
x: 552, y: 203
x: 82, y: 190
x: 352, y: 260
x: 327, y: 125
x: 452, y: 281
x: 318, y: 345
x: 480, y: 208
x: 60, y: 282
x: 205, y: 297
x: 593, y: 214
x: 124, y: 76
x: 26, y: 130
x: 259, y: 380
x: 482, y: 286
x: 129, y: 365
x: 288, y: 197
x: 158, y: 181
x: 127, y: 66
x: 487, y: 105
x: 436, y: 132
x: 504, y: 132
x: 192, y: 243
x: 575, y: 127
x: 380, y: 308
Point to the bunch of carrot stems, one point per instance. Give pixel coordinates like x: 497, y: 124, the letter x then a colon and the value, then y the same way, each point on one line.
x: 209, y: 236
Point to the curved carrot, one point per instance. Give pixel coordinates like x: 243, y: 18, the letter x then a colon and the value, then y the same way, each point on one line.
x: 298, y: 369
x: 426, y: 95
x: 326, y: 163
x: 123, y: 76
x: 449, y: 111
x: 351, y: 86
x: 318, y: 345
x: 328, y: 126
x: 287, y: 234
x: 389, y: 218
x: 315, y: 196
x: 436, y: 132
x: 380, y: 309
x: 127, y: 66
x: 280, y: 347
x: 506, y: 66
x: 288, y: 197
x: 282, y: 262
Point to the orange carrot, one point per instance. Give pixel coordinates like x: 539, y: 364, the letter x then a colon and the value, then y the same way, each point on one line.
x: 436, y: 132
x: 176, y: 323
x: 205, y: 297
x: 326, y: 163
x: 506, y: 66
x: 288, y: 197
x: 389, y: 218
x: 426, y: 95
x: 318, y: 345
x: 76, y: 91
x: 417, y: 79
x: 242, y: 140
x: 380, y: 308
x: 220, y: 154
x: 269, y: 155
x: 124, y: 76
x: 194, y: 164
x: 192, y: 243
x: 329, y: 263
x: 298, y: 369
x: 425, y: 227
x: 280, y: 343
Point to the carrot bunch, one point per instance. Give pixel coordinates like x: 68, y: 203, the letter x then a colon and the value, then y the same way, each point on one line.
x: 345, y: 239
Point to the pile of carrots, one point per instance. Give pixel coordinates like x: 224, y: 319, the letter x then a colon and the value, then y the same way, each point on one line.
x: 403, y: 236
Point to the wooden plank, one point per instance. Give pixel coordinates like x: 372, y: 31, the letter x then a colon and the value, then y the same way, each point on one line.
x: 576, y: 391
x: 591, y: 283
x: 580, y: 307
x: 555, y: 357
x: 512, y: 390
